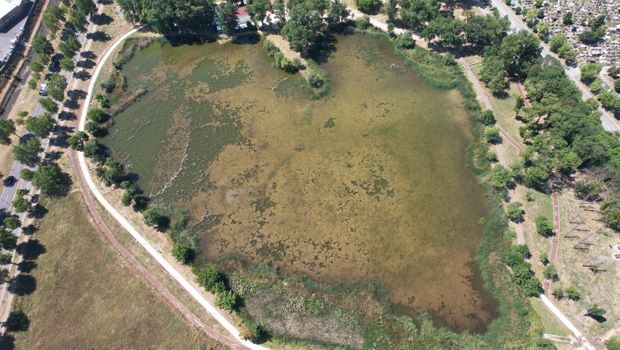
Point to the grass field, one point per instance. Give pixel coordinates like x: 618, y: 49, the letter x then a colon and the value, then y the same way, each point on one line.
x: 601, y: 288
x: 86, y: 296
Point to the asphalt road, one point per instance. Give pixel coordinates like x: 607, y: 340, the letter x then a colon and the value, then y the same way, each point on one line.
x: 8, y: 192
x: 607, y: 120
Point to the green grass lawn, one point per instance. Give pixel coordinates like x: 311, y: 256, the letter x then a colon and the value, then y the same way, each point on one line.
x: 550, y: 323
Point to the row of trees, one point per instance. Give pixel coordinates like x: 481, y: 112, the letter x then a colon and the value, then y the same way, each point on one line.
x: 311, y: 21
x: 53, y: 18
x: 562, y: 132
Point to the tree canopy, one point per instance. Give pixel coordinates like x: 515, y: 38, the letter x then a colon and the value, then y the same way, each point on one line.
x: 49, y: 179
x: 171, y: 16
x: 41, y: 126
x: 226, y: 14
x: 7, y: 128
x: 56, y: 86
x: 28, y: 152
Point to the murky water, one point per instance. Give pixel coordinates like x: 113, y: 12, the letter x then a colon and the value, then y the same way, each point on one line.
x: 367, y: 184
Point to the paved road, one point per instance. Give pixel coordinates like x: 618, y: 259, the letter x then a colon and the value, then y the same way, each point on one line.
x: 607, y: 120
x: 8, y: 194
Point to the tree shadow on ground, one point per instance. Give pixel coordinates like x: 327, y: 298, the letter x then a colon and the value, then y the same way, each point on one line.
x: 17, y: 322
x: 88, y: 55
x: 53, y: 155
x: 27, y: 266
x: 133, y: 178
x: 32, y: 249
x: 22, y: 285
x: 98, y: 36
x: 101, y: 19
x: 82, y: 75
x: 321, y: 50
x: 85, y: 64
x: 251, y: 38
x: 7, y: 342
x: 66, y: 115
x: 30, y: 229
x: 178, y: 40
x: 76, y: 94
x: 71, y: 104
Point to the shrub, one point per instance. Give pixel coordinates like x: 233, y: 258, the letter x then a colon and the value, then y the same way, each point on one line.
x: 544, y: 258
x: 589, y: 72
x: 362, y: 22
x: 500, y: 177
x: 210, y: 279
x: 491, y: 157
x: 536, y: 177
x: 405, y: 40
x: 183, y: 253
x: 596, y: 86
x: 316, y: 78
x: 558, y: 293
x: 588, y: 190
x: 515, y: 212
x: 613, y: 343
x: 271, y: 48
x: 368, y: 6
x: 49, y: 105
x: 517, y: 254
x: 226, y: 299
x: 551, y: 273
x: 153, y: 217
x: 572, y: 293
x: 487, y: 118
x: 127, y: 198
x: 492, y: 135
x: 26, y: 174
x: 544, y: 226
x: 611, y: 213
x: 253, y: 330
x: 98, y: 116
x: 597, y: 313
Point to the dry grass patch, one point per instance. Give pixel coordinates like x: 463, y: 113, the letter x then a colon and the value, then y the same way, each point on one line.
x: 601, y: 288
x: 86, y: 297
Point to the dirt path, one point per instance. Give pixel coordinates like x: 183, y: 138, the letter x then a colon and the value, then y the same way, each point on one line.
x: 555, y: 205
x: 499, y: 148
x: 285, y: 48
x: 555, y: 241
x: 83, y: 170
x: 137, y: 267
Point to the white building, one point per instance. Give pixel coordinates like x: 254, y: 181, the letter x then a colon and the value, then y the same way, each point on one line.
x: 11, y: 11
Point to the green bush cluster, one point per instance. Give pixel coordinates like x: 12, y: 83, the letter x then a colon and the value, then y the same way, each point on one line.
x: 318, y: 80
x: 405, y: 40
x: 280, y: 61
x: 522, y: 273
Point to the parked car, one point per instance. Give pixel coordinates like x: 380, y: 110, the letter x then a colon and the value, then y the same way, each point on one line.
x: 43, y: 89
x: 10, y: 181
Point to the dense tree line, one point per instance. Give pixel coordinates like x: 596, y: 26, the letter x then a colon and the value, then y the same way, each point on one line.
x: 310, y: 21
x: 171, y: 16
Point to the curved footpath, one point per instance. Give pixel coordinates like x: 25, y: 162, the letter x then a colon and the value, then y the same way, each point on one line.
x: 84, y: 172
